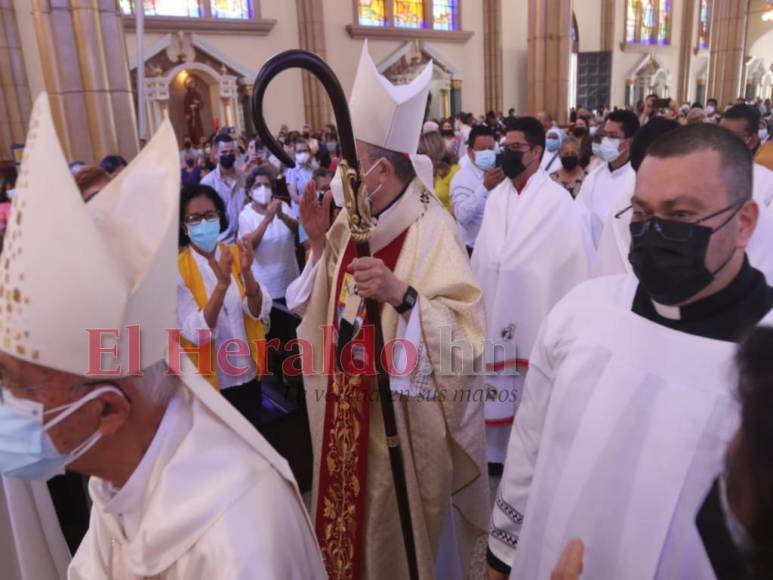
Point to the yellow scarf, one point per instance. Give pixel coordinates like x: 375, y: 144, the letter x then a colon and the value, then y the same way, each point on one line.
x: 256, y: 335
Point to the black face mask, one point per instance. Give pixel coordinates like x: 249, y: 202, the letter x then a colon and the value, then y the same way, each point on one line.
x: 512, y: 163
x: 190, y: 162
x: 227, y: 161
x: 579, y: 132
x: 570, y: 162
x: 447, y: 133
x: 669, y: 258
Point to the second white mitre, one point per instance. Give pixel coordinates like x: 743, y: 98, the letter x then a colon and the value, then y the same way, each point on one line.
x: 391, y: 116
x: 68, y: 267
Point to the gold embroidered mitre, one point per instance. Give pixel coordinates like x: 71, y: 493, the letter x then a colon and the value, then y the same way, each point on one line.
x: 68, y: 267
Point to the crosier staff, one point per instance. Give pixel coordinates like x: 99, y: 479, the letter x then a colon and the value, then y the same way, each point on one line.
x: 361, y: 227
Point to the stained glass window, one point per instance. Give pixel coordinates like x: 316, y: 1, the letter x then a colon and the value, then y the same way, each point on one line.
x: 372, y: 12
x: 648, y: 22
x: 409, y: 13
x: 703, y: 25
x: 231, y: 9
x: 186, y: 8
x: 444, y: 15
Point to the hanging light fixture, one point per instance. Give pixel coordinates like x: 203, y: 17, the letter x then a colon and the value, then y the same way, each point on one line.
x: 767, y: 16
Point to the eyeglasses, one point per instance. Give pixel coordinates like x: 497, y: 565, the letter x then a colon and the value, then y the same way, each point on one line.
x: 517, y: 146
x: 675, y: 230
x: 196, y: 218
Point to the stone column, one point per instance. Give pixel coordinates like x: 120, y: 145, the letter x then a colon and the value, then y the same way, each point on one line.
x: 727, y: 42
x: 549, y: 54
x: 311, y: 32
x: 86, y: 74
x: 15, y: 101
x: 608, y: 25
x: 492, y: 54
x: 689, y: 15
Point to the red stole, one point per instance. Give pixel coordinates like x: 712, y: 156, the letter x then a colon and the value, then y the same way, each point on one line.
x: 343, y: 465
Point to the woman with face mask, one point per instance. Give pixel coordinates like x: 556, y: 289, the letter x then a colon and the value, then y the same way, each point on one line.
x: 220, y: 303
x: 553, y: 139
x: 571, y: 173
x: 267, y: 226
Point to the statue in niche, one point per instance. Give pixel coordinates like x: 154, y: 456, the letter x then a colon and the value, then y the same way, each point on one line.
x: 193, y: 106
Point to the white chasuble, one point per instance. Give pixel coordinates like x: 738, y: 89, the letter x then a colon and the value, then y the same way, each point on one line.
x: 533, y: 247
x: 622, y: 429
x: 440, y: 421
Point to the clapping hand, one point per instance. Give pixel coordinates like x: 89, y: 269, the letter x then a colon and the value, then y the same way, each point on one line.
x: 246, y: 254
x: 222, y: 268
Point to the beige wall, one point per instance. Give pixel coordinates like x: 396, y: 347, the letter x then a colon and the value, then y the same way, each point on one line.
x: 30, y: 46
x: 515, y: 31
x: 756, y: 28
x: 284, y: 99
x: 588, y: 14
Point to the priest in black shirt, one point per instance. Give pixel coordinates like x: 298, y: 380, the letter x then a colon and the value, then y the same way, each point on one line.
x: 628, y: 405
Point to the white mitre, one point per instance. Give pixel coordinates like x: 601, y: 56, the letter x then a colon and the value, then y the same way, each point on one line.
x: 68, y: 266
x: 391, y: 116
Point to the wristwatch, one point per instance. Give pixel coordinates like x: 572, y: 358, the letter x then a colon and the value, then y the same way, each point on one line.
x: 409, y: 300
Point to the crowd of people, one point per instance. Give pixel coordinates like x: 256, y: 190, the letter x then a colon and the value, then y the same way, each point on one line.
x: 601, y: 380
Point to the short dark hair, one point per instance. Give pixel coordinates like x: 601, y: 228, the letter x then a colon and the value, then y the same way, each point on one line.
x: 111, y: 163
x: 223, y: 138
x: 644, y: 137
x: 90, y: 176
x: 735, y: 159
x: 191, y: 192
x: 712, y: 100
x: 755, y: 391
x: 628, y: 120
x: 746, y: 113
x: 400, y: 161
x: 532, y: 130
x: 479, y: 131
x: 249, y: 183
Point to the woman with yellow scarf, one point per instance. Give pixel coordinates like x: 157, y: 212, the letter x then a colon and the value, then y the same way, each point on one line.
x: 222, y: 310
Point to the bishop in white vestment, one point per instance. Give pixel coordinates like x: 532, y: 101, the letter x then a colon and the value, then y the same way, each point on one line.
x: 182, y: 486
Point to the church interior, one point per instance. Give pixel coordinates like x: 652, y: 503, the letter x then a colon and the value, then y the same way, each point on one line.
x: 115, y: 71
x: 529, y: 55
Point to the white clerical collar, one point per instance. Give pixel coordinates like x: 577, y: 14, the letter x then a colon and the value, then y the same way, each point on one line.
x: 127, y: 499
x: 670, y: 312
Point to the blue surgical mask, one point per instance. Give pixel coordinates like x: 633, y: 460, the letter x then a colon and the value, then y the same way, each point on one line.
x: 485, y: 159
x: 204, y: 234
x: 552, y: 145
x: 26, y: 450
x: 610, y: 149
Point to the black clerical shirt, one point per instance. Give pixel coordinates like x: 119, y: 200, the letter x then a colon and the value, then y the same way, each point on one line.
x: 728, y: 315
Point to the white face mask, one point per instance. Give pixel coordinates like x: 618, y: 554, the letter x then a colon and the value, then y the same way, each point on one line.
x: 302, y: 157
x: 763, y: 135
x: 709, y: 110
x: 337, y: 187
x: 261, y: 194
x: 610, y: 149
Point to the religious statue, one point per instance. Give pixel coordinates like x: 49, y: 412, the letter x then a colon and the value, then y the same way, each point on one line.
x: 193, y: 106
